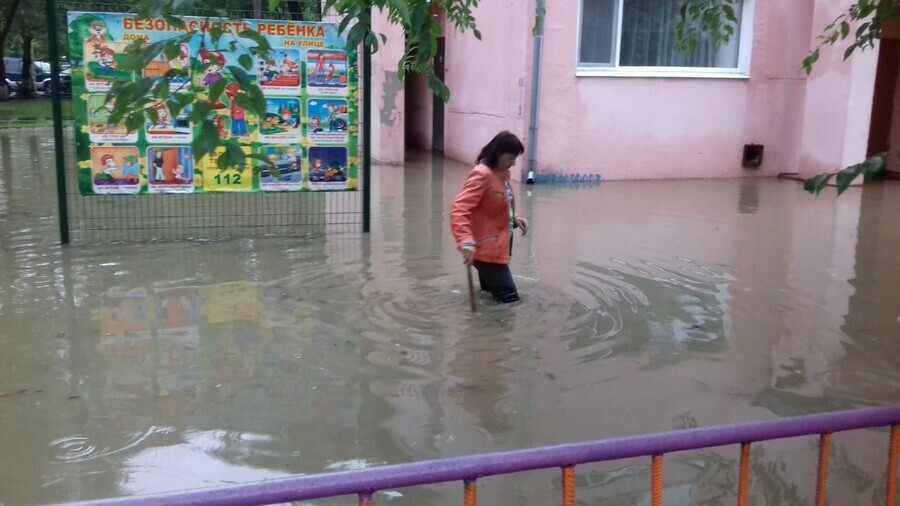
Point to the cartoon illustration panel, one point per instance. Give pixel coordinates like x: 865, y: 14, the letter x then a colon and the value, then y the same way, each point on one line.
x: 328, y: 168
x: 101, y: 130
x: 281, y: 124
x: 327, y: 72
x: 171, y: 169
x: 328, y: 121
x: 115, y: 170
x: 279, y: 74
x: 288, y: 162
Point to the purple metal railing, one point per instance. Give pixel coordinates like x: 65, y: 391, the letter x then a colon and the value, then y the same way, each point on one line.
x: 364, y: 483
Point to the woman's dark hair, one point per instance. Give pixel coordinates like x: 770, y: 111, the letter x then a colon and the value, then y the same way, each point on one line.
x: 502, y: 143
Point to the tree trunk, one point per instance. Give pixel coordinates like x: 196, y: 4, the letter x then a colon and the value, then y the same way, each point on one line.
x: 4, y: 91
x: 4, y: 32
x: 26, y: 87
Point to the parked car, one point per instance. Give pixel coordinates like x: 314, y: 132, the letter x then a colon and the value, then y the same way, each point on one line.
x: 40, y: 74
x: 14, y: 70
x: 11, y: 87
x: 65, y: 83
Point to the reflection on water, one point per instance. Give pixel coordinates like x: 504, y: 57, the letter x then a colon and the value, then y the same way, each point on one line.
x: 647, y: 306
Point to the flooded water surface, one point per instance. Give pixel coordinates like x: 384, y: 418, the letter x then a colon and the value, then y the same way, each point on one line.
x: 647, y: 306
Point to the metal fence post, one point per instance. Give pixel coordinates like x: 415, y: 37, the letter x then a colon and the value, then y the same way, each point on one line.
x: 58, y: 141
x: 367, y: 136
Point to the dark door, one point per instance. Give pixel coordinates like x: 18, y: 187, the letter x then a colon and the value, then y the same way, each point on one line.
x: 437, y: 119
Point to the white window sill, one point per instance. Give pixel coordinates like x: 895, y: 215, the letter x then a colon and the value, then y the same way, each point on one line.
x: 658, y: 72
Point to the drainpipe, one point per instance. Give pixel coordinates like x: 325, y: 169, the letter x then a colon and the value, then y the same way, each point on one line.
x: 535, y: 89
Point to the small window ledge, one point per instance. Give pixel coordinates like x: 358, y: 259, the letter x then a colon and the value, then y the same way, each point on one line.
x: 657, y: 72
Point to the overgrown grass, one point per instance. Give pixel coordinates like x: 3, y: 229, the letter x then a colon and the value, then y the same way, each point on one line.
x: 26, y: 113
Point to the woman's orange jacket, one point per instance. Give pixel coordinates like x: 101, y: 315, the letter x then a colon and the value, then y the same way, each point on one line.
x: 480, y: 214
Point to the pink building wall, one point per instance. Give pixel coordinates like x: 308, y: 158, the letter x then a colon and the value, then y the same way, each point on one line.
x: 388, y: 95
x: 654, y: 127
x: 488, y: 79
x: 838, y: 102
x: 639, y: 128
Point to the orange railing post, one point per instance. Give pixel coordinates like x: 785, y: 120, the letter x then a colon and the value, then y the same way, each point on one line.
x: 821, y: 481
x: 744, y: 476
x: 892, y: 466
x: 568, y: 486
x: 657, y: 485
x: 471, y: 493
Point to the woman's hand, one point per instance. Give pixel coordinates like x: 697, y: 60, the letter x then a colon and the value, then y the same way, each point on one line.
x: 522, y: 224
x: 467, y: 251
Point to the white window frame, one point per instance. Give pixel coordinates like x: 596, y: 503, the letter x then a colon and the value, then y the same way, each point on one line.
x: 742, y: 71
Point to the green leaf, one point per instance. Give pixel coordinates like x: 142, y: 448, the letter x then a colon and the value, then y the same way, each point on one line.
x: 216, y: 32
x: 185, y: 97
x: 729, y: 13
x: 243, y: 100
x: 143, y: 87
x: 206, y: 141
x: 147, y: 9
x: 138, y: 55
x: 200, y: 112
x: 257, y: 100
x: 810, y: 60
x: 437, y: 86
x: 343, y: 25
x: 245, y: 61
x: 172, y: 49
x: 868, y: 8
x: 845, y: 177
x: 240, y: 75
x: 845, y: 29
x: 372, y: 41
x: 262, y: 43
x: 356, y: 35
x: 173, y: 73
x: 273, y: 169
x: 161, y: 89
x: 849, y: 52
x: 817, y: 184
x: 222, y: 161
x: 273, y: 5
x: 418, y: 19
x: 216, y: 91
x: 402, y: 9
x: 477, y: 33
x: 175, y: 107
x: 234, y: 155
x: 175, y: 21
x: 262, y: 158
x: 134, y: 121
x: 874, y: 166
x: 152, y: 114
